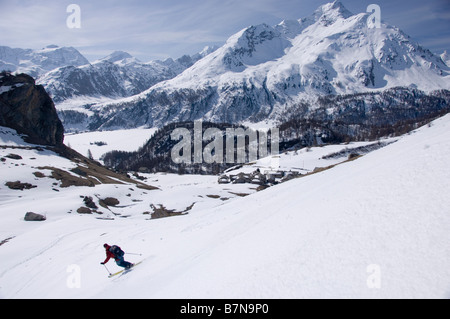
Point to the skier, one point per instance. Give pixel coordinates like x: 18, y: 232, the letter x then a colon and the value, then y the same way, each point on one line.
x: 118, y: 257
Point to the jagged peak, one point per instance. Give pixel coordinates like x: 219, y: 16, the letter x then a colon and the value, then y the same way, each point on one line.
x: 332, y: 11
x: 57, y: 48
x: 258, y: 30
x: 117, y: 56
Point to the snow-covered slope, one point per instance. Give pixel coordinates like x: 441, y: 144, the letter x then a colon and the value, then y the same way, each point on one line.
x: 376, y: 227
x: 99, y: 143
x: 262, y: 70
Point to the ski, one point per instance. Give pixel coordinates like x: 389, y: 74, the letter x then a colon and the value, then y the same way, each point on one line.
x: 124, y: 270
x: 115, y: 274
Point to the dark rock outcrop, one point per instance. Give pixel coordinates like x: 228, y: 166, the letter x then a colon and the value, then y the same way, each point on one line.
x: 27, y: 108
x: 84, y: 211
x: 19, y: 185
x: 33, y: 217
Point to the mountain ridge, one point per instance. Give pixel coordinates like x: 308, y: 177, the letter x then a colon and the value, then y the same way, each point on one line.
x: 38, y: 62
x: 117, y: 75
x: 264, y: 70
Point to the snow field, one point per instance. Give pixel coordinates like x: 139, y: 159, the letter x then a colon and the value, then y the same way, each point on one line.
x: 123, y: 140
x: 384, y: 216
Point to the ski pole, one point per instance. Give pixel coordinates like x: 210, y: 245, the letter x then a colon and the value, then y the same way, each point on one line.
x: 133, y: 254
x: 107, y: 269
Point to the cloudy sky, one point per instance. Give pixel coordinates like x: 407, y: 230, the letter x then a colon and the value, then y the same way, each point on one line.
x: 159, y: 29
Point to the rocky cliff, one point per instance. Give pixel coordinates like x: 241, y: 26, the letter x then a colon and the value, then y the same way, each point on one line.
x: 27, y: 108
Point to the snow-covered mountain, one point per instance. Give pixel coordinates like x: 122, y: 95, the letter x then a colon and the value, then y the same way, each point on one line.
x: 116, y: 76
x: 67, y: 75
x: 263, y: 70
x: 112, y: 77
x: 262, y: 73
x: 38, y: 62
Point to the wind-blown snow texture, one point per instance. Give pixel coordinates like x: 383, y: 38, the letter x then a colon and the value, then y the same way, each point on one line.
x: 316, y: 236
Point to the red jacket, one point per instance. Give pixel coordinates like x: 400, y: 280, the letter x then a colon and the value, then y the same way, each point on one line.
x: 109, y: 254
